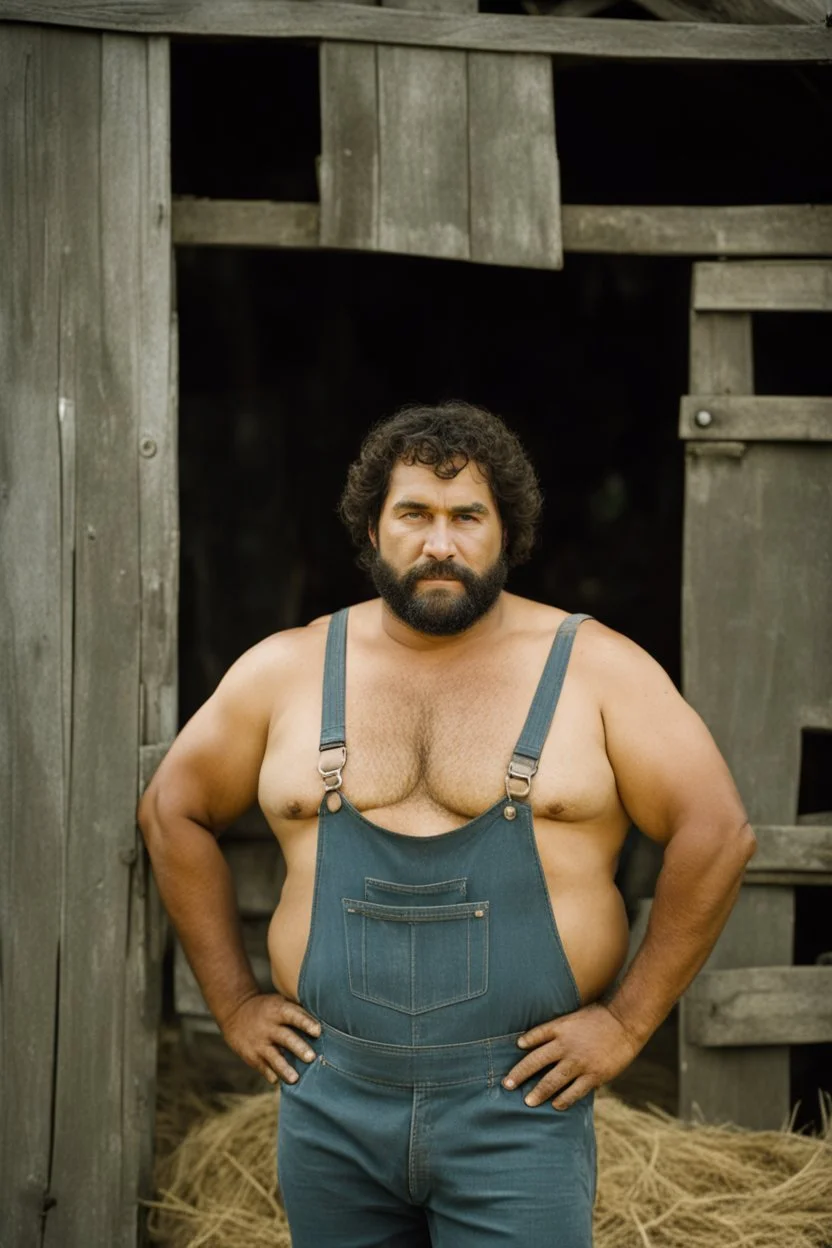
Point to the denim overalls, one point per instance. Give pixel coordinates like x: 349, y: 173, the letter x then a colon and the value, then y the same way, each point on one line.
x: 427, y: 957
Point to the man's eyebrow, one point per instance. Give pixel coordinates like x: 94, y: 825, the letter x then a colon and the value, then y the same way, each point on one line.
x: 410, y: 504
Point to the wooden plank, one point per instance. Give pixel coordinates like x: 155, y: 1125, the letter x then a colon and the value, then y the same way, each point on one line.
x: 349, y: 168
x: 757, y: 652
x: 786, y: 230
x: 801, y: 850
x: 621, y: 39
x: 112, y: 223
x: 750, y: 1086
x: 244, y: 223
x: 755, y: 418
x: 759, y: 230
x: 423, y: 152
x: 770, y: 12
x: 159, y: 582
x: 721, y: 353
x: 514, y: 175
x: 35, y: 614
x: 763, y: 286
x: 761, y: 1006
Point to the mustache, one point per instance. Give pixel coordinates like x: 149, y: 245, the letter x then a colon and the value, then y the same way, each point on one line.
x: 436, y: 572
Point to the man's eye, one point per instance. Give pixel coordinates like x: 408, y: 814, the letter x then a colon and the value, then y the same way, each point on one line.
x: 409, y: 515
x: 466, y: 515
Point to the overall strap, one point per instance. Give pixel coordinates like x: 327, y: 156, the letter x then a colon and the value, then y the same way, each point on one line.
x: 526, y: 757
x: 333, y: 755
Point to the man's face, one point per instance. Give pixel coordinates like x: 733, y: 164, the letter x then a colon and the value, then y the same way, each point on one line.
x: 439, y: 562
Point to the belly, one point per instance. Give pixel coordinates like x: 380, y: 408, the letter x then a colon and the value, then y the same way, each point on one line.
x: 588, y: 908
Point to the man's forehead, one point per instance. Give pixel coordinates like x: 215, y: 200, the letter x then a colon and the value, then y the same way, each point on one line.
x: 408, y: 479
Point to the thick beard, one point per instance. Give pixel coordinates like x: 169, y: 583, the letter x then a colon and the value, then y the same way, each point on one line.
x: 439, y: 612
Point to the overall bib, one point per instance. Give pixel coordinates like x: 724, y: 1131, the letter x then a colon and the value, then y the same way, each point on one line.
x: 427, y: 957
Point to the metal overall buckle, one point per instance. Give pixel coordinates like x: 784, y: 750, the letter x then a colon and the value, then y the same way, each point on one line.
x: 520, y: 771
x: 331, y: 763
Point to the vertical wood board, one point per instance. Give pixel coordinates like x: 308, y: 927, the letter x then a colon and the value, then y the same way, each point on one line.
x: 35, y: 610
x: 515, y: 180
x: 349, y: 169
x: 730, y: 580
x: 104, y: 104
x: 423, y: 148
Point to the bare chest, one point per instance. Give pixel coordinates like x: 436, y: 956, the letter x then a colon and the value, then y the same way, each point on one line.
x: 427, y: 752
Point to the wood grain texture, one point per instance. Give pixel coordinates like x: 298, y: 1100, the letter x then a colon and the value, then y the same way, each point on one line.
x: 756, y: 418
x: 297, y: 19
x: 801, y: 848
x: 349, y: 169
x: 763, y: 286
x: 759, y: 230
x: 423, y: 148
x: 515, y: 181
x: 77, y: 214
x: 786, y: 230
x: 761, y: 1006
x: 244, y: 223
x: 35, y: 623
x: 158, y: 479
x: 725, y: 596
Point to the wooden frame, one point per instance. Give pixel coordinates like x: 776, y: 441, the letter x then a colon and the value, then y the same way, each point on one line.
x: 302, y: 19
x: 776, y: 230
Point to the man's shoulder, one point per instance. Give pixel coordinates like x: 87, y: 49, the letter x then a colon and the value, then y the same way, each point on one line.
x: 603, y: 647
x: 280, y: 653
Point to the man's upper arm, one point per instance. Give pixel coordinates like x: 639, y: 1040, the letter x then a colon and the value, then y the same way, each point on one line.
x: 667, y: 767
x: 210, y: 774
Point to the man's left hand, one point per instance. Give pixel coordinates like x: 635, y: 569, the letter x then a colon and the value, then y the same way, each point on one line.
x: 584, y: 1050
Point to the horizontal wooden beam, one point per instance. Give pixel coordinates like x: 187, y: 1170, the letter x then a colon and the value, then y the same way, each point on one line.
x: 244, y: 223
x: 610, y: 39
x: 764, y: 230
x: 755, y: 418
x: 777, y: 229
x: 763, y: 286
x: 760, y: 1006
x: 791, y: 856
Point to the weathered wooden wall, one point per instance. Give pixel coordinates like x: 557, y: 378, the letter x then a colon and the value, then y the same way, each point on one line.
x: 87, y: 601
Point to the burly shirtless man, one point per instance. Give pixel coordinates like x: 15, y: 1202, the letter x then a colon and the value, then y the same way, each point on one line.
x: 450, y: 844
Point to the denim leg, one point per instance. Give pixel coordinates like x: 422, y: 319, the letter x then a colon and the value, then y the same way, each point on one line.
x: 504, y: 1173
x: 343, y: 1163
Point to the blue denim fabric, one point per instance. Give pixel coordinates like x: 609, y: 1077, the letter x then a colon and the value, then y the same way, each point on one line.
x: 427, y: 957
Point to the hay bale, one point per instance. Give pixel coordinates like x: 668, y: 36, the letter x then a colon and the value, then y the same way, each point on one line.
x: 662, y: 1183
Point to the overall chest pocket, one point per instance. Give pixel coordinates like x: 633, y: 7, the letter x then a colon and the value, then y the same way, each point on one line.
x: 416, y: 956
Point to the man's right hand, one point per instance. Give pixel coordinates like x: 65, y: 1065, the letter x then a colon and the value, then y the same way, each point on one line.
x: 263, y: 1025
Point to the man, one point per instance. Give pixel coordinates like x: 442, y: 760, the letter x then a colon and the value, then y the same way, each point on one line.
x: 449, y: 923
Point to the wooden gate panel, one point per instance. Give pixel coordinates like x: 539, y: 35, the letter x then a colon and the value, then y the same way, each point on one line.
x: 33, y: 624
x: 87, y: 214
x: 757, y: 653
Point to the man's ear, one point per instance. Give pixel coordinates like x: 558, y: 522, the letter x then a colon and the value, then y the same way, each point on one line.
x: 371, y: 533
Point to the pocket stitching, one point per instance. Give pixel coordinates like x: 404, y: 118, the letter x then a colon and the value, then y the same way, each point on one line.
x: 365, y: 995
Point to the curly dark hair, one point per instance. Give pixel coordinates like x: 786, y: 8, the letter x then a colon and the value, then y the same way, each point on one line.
x: 445, y: 437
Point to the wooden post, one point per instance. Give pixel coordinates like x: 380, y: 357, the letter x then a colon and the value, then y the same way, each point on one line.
x: 86, y: 221
x: 757, y: 660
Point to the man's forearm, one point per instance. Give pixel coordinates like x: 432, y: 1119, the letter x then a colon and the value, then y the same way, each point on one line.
x: 196, y: 886
x: 695, y: 892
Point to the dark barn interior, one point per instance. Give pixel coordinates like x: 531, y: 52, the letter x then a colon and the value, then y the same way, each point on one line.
x: 288, y: 357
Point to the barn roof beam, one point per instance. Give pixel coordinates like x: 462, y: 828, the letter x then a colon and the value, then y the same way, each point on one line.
x: 617, y: 39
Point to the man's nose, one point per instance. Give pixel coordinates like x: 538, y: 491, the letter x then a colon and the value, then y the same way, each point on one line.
x: 439, y: 542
